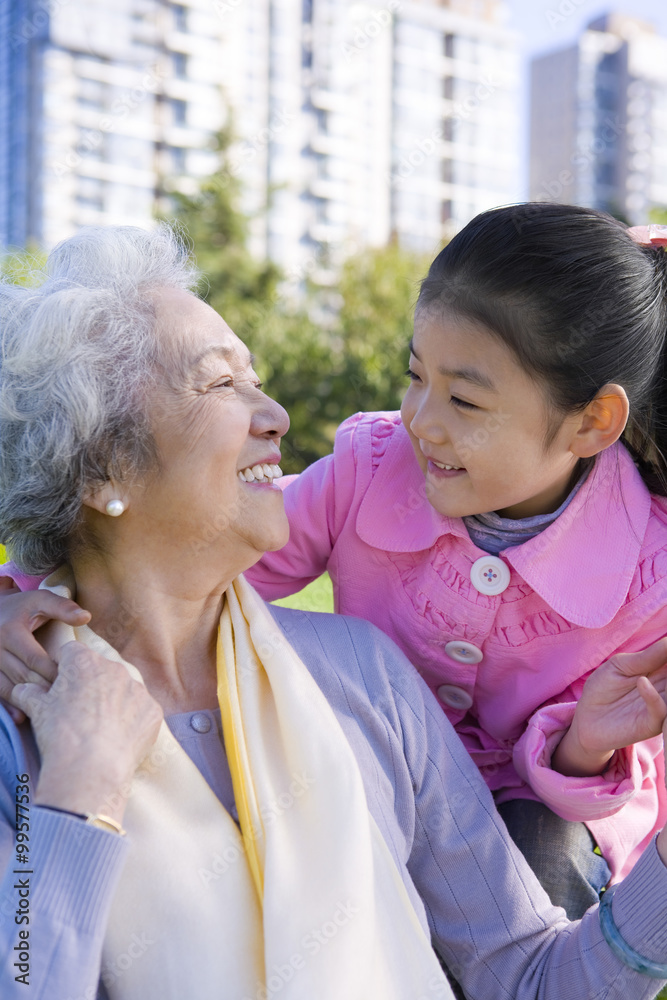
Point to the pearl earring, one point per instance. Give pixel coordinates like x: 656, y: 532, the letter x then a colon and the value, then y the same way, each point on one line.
x: 115, y: 508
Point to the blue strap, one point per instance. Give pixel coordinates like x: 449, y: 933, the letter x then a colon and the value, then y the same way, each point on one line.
x: 620, y: 947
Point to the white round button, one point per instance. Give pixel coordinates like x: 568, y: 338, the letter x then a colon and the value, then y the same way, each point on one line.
x: 464, y: 652
x: 490, y: 575
x: 200, y: 722
x: 454, y: 696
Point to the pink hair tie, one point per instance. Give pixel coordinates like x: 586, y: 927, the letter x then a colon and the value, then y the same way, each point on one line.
x: 649, y: 236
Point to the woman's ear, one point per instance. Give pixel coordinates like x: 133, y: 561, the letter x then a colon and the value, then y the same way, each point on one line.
x: 602, y: 422
x: 101, y: 498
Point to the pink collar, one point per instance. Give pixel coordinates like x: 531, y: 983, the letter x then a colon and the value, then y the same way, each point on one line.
x: 582, y: 565
x: 395, y: 515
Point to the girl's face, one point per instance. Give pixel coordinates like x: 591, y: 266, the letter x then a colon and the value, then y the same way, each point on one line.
x: 471, y: 407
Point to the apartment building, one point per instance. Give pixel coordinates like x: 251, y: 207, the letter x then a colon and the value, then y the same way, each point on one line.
x: 109, y: 102
x: 599, y: 120
x: 357, y: 122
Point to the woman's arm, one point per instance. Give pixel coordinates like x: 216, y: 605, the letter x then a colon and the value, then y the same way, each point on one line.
x: 491, y: 920
x: 74, y: 869
x: 92, y: 727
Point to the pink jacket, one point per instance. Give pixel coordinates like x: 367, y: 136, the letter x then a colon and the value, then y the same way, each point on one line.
x: 593, y: 583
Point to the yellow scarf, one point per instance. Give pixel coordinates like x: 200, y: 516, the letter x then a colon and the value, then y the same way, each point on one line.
x: 305, y: 902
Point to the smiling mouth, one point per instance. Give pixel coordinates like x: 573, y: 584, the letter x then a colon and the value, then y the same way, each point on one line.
x: 447, y: 468
x: 260, y: 473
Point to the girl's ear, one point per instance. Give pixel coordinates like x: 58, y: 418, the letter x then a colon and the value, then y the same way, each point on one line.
x: 602, y: 422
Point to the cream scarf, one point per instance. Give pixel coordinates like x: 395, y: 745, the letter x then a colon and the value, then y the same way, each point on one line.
x: 305, y: 902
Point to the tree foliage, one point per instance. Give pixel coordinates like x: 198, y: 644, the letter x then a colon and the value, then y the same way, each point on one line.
x: 658, y: 216
x: 23, y: 267
x: 321, y: 373
x: 378, y: 290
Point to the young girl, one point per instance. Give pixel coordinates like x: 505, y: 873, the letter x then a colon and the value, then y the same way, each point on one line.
x: 508, y: 529
x: 502, y: 535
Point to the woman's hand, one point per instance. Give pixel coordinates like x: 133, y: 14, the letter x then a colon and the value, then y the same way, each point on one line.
x: 22, y: 659
x: 662, y: 836
x: 623, y: 702
x: 94, y: 725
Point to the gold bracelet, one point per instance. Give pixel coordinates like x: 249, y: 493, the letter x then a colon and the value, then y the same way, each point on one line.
x: 105, y: 823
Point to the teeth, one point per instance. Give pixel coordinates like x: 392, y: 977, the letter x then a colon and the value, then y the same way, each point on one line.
x: 448, y: 468
x: 260, y: 473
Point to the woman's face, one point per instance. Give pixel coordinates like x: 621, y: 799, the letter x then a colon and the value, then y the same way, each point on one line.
x: 471, y: 406
x: 211, y: 421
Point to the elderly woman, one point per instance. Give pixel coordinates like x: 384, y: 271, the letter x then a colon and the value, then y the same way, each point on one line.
x: 301, y: 819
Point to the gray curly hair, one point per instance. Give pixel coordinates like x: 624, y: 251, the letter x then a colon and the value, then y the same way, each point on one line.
x: 78, y: 355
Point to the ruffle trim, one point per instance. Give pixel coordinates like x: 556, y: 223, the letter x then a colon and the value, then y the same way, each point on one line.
x: 415, y: 575
x: 381, y: 430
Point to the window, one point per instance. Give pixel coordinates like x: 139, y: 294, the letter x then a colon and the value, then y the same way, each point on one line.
x: 449, y: 46
x: 445, y: 211
x: 447, y: 171
x: 178, y: 155
x: 180, y: 63
x: 90, y: 193
x: 92, y: 94
x: 448, y: 88
x: 179, y: 111
x: 605, y: 174
x: 130, y: 151
x: 91, y: 144
x: 180, y: 17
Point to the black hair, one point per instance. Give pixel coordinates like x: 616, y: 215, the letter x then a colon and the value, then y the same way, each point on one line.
x: 577, y: 302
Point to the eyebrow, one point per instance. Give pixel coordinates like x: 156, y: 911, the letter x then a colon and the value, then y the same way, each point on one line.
x: 466, y: 374
x: 221, y: 351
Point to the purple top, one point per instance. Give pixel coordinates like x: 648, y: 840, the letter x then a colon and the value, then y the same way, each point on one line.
x: 471, y: 888
x: 493, y: 533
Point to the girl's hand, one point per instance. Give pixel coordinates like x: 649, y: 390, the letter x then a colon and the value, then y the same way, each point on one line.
x: 93, y: 726
x: 22, y: 659
x: 623, y: 702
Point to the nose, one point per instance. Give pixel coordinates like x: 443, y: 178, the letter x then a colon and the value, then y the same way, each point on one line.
x: 269, y: 419
x: 426, y: 424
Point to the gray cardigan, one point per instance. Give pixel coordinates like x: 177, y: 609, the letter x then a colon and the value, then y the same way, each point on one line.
x: 486, y: 913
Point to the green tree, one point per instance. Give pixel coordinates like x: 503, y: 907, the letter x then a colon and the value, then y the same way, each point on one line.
x: 658, y: 216
x: 23, y: 267
x: 378, y: 290
x: 294, y: 356
x: 320, y: 373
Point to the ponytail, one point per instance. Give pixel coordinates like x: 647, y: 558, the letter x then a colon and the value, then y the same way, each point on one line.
x: 645, y: 435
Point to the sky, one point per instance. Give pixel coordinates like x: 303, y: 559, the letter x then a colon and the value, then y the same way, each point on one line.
x: 547, y: 25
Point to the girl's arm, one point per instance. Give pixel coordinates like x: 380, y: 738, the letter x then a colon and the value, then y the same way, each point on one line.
x: 622, y: 703
x: 592, y: 749
x: 619, y: 767
x: 22, y: 658
x: 309, y: 500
